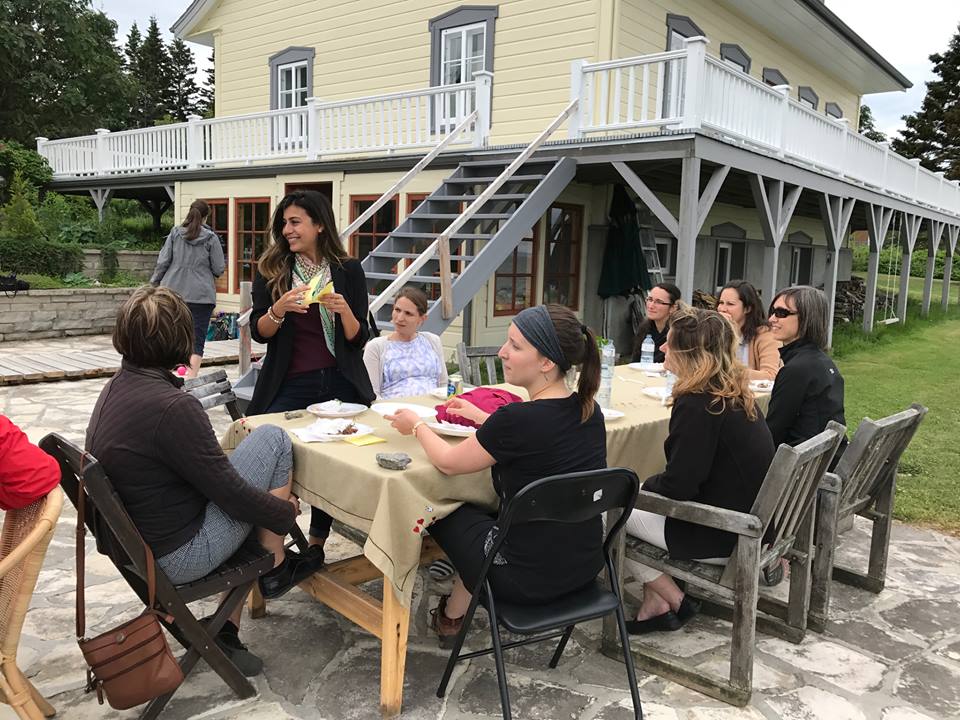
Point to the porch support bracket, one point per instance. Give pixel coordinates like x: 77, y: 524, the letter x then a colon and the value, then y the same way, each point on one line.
x: 878, y: 225
x: 908, y: 239
x: 170, y: 192
x: 835, y: 212
x: 776, y: 205
x: 101, y: 196
x: 934, y: 234
x: 694, y: 209
x: 953, y: 232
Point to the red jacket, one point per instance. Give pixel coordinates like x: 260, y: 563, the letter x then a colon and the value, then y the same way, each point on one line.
x: 26, y: 472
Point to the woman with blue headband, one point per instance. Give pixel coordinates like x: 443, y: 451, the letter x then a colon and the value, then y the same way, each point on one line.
x: 558, y: 430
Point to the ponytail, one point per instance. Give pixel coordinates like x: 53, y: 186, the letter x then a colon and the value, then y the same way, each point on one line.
x: 589, y: 374
x: 195, y: 216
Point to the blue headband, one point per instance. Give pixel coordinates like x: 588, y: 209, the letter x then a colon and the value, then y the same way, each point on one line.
x: 537, y: 327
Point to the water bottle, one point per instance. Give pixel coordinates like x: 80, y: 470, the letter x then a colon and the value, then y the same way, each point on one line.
x: 668, y: 387
x: 608, y: 358
x: 647, y: 349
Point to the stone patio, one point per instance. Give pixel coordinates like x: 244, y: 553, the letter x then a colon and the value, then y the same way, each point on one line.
x: 893, y: 656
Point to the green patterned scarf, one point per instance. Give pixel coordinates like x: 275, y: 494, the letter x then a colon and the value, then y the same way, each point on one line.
x: 303, y: 272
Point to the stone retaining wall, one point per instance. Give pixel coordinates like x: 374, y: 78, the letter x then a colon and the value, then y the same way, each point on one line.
x: 39, y: 314
x: 136, y: 262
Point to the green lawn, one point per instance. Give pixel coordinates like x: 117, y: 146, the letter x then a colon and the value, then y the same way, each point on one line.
x: 904, y: 364
x: 892, y: 283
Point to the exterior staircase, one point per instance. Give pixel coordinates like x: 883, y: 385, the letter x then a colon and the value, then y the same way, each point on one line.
x: 477, y: 248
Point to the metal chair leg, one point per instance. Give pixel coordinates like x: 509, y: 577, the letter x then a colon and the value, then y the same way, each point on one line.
x: 563, y: 643
x: 628, y: 661
x: 498, y: 659
x: 457, y: 646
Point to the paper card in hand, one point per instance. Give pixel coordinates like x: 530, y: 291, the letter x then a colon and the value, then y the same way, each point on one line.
x: 315, y: 292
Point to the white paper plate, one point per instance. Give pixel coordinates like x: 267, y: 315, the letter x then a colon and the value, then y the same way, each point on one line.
x: 336, y: 409
x: 657, y: 393
x: 646, y: 367
x: 761, y: 385
x: 610, y: 414
x: 439, y: 392
x: 319, y: 431
x: 452, y: 429
x: 390, y: 408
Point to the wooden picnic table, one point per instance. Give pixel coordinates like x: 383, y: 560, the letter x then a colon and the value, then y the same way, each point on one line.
x: 393, y: 507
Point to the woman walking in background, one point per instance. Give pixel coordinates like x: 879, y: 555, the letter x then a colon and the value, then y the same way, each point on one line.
x: 189, y: 264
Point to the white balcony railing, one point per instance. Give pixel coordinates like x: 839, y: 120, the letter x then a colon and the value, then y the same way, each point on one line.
x: 396, y: 121
x: 687, y: 90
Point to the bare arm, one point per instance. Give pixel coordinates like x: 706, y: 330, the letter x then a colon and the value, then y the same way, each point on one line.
x: 467, y: 457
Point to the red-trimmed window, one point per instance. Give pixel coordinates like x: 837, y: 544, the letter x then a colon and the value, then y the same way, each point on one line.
x: 253, y: 232
x: 375, y: 229
x: 514, y: 283
x: 219, y: 222
x: 561, y: 260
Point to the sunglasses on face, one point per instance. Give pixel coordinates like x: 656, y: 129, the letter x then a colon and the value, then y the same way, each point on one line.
x: 782, y: 312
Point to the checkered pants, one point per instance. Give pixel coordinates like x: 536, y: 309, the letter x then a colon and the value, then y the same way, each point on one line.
x: 264, y: 459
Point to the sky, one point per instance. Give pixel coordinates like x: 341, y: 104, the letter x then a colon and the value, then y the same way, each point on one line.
x: 903, y: 33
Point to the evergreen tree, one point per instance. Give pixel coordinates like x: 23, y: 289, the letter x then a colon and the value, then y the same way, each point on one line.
x: 183, y: 86
x: 206, y: 104
x: 133, y: 63
x: 868, y: 125
x: 132, y: 49
x: 154, y: 75
x: 18, y: 219
x: 933, y: 133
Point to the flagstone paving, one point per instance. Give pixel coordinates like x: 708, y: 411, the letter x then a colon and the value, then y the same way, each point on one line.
x: 892, y: 656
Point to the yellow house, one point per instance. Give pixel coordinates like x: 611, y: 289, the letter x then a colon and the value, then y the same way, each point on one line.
x: 730, y: 122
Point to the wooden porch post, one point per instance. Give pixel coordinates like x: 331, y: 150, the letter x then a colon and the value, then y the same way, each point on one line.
x: 878, y: 224
x: 776, y: 210
x: 908, y: 238
x: 953, y: 232
x: 835, y: 212
x: 934, y: 233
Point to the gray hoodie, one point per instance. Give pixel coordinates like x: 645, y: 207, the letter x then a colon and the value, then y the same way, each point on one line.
x: 190, y: 267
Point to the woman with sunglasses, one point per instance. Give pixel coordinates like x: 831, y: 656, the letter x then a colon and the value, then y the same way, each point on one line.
x: 808, y: 391
x: 661, y: 301
x: 759, y: 350
x: 718, y: 450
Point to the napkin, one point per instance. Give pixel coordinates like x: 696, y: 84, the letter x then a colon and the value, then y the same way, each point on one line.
x: 315, y: 292
x: 322, y: 430
x: 364, y: 440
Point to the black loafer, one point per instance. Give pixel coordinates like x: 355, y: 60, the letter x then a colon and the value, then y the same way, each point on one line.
x: 668, y: 621
x: 247, y: 663
x: 294, y: 569
x: 688, y: 608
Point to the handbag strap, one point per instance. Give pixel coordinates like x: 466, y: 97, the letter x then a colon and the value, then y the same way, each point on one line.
x: 81, y: 610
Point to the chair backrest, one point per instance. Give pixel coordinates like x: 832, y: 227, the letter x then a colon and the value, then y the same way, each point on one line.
x: 105, y: 516
x: 212, y: 390
x: 873, y: 455
x: 471, y: 359
x: 572, y: 498
x: 789, y: 489
x: 23, y: 546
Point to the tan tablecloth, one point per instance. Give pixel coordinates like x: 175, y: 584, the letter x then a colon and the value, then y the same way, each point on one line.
x: 393, y: 507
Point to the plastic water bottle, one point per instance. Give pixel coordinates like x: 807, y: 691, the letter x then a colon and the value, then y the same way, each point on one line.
x: 608, y: 359
x: 668, y: 388
x: 647, y: 349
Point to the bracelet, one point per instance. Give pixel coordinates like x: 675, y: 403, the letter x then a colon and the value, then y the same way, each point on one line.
x: 416, y: 425
x: 274, y: 318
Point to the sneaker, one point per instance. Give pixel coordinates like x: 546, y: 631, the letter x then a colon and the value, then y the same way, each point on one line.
x: 446, y: 628
x: 247, y: 663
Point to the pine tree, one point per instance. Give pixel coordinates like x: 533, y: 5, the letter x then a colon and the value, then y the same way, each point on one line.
x: 18, y: 219
x: 933, y: 133
x: 133, y: 63
x: 132, y: 49
x: 183, y: 86
x: 206, y: 103
x: 154, y: 72
x: 868, y: 125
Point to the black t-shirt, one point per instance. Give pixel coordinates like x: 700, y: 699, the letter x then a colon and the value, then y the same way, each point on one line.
x: 533, y: 440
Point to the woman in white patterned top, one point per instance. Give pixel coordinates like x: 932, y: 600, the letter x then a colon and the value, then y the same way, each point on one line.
x: 407, y: 361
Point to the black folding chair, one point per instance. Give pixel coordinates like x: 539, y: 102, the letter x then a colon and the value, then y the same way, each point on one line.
x: 117, y: 538
x: 569, y: 498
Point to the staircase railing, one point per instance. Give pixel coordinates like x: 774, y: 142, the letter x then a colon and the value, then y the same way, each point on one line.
x: 408, y: 176
x: 441, y: 246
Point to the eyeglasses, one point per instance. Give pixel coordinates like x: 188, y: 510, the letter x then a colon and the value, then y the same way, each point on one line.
x: 782, y: 312
x: 655, y: 301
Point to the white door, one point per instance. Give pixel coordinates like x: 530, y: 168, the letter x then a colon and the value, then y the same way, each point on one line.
x: 292, y: 92
x: 721, y: 271
x: 461, y: 56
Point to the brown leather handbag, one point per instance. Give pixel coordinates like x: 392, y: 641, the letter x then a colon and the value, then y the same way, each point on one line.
x: 132, y: 663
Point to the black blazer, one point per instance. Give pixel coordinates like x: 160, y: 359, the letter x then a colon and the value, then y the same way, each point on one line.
x: 348, y: 280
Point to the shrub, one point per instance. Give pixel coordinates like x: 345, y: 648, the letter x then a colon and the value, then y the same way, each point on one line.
x: 18, y: 219
x: 891, y: 258
x: 32, y: 166
x: 77, y: 279
x: 39, y: 256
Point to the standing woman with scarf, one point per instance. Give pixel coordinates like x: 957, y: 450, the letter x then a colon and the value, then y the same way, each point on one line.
x: 558, y: 430
x: 315, y: 351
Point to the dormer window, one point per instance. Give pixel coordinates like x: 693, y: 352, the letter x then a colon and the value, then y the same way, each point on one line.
x: 772, y: 76
x: 806, y: 96
x: 734, y: 56
x: 461, y: 45
x: 833, y: 110
x: 291, y: 77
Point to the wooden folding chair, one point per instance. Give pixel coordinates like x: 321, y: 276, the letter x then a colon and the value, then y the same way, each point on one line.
x: 119, y: 539
x: 471, y: 359
x: 23, y: 545
x: 786, y: 504
x: 868, y: 477
x: 213, y: 390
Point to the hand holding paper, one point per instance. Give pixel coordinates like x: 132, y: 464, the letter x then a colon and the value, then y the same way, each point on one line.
x: 315, y: 292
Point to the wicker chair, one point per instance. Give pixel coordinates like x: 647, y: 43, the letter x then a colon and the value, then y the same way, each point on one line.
x: 23, y: 545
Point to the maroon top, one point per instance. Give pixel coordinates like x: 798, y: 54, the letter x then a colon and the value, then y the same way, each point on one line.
x: 310, y: 351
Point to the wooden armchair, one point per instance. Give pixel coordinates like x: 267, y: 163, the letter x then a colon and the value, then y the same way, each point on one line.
x: 868, y: 477
x: 212, y: 390
x: 472, y: 358
x: 23, y: 545
x: 780, y: 524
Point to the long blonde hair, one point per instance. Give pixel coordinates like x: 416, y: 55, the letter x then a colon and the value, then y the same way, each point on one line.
x: 703, y: 351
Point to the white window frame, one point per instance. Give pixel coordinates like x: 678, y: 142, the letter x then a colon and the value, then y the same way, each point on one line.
x: 664, y: 255
x: 291, y: 129
x: 795, y: 256
x: 728, y: 246
x: 455, y: 106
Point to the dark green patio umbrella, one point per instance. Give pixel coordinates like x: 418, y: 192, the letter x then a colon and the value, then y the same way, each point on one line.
x: 624, y: 270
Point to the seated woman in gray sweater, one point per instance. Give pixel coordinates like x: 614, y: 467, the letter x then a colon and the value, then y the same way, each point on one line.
x: 192, y: 504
